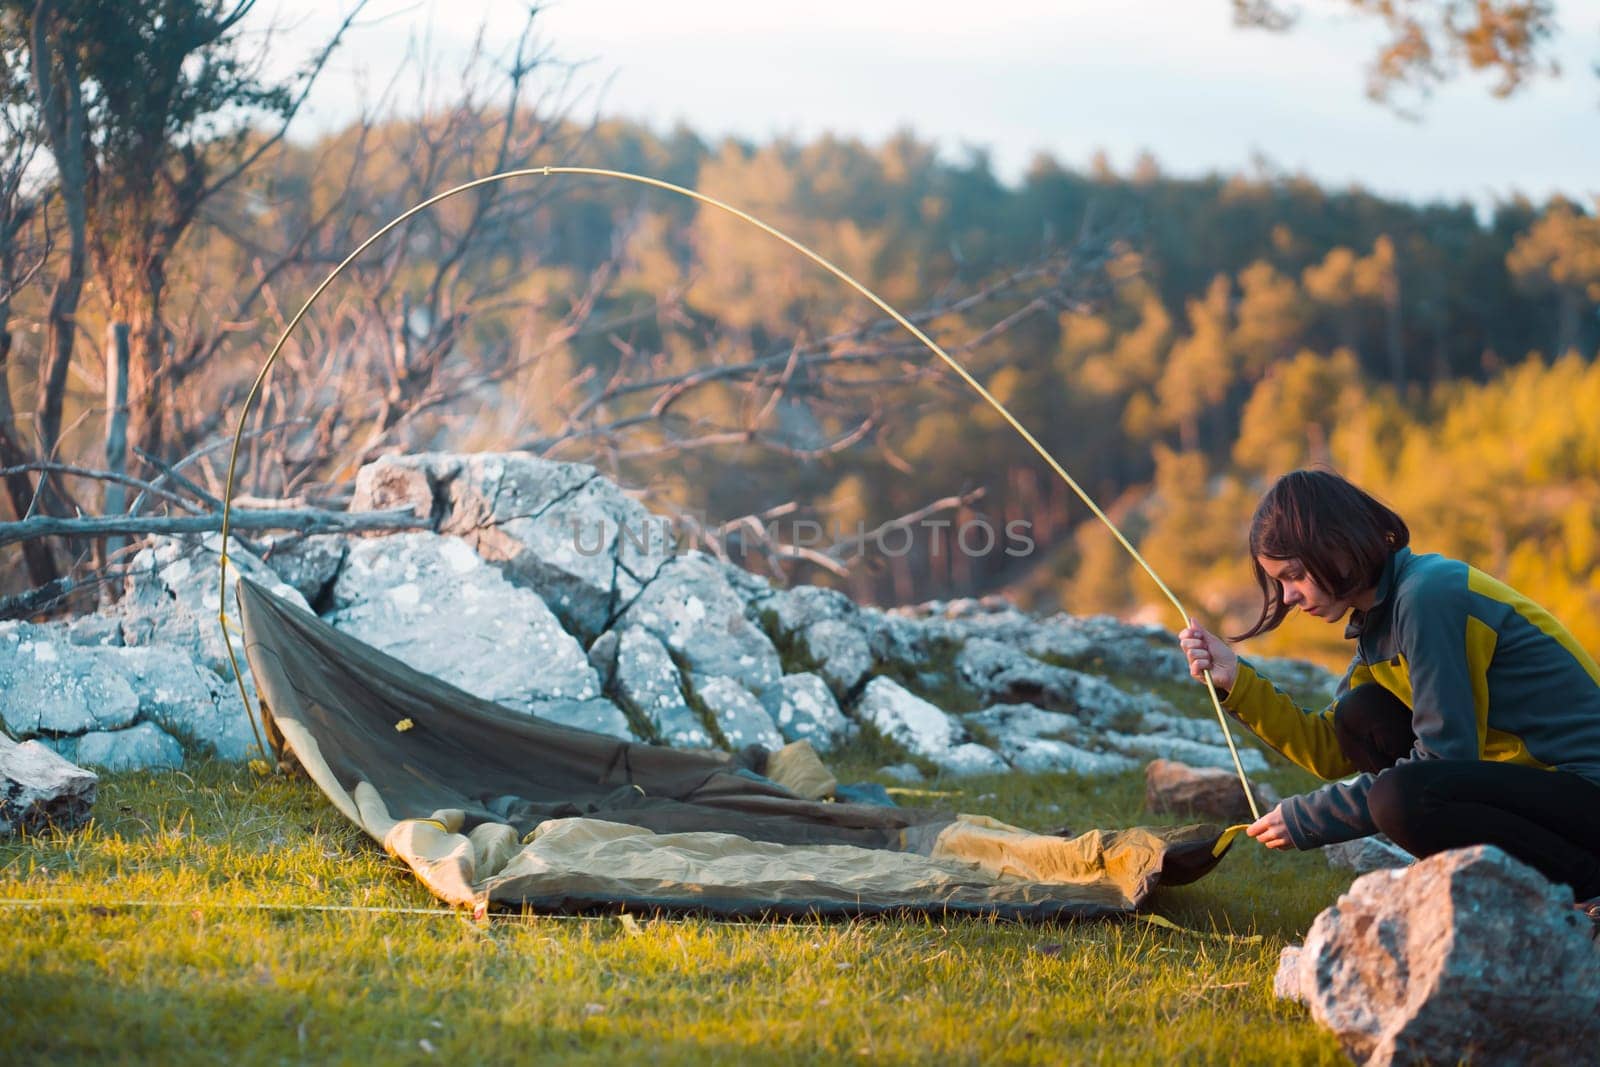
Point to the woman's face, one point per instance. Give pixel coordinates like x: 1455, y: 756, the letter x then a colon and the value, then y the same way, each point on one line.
x: 1300, y: 590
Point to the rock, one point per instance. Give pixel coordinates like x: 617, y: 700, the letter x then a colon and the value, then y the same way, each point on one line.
x: 923, y: 729
x: 309, y: 565
x: 737, y: 713
x: 1183, y: 750
x: 558, y: 529
x: 1467, y: 955
x: 1210, y: 792
x: 429, y: 601
x: 138, y: 748
x: 49, y: 688
x: 803, y: 707
x: 1375, y: 853
x: 172, y: 597
x: 39, y: 789
x: 690, y: 608
x: 1286, y: 980
x: 595, y: 715
x: 838, y: 652
x: 785, y: 613
x: 645, y: 681
x: 1033, y: 739
x: 999, y: 673
x: 187, y: 700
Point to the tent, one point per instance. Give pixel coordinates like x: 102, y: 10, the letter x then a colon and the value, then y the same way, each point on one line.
x: 493, y: 808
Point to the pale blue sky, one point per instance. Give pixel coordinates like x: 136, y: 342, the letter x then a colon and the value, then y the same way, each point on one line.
x: 1023, y: 76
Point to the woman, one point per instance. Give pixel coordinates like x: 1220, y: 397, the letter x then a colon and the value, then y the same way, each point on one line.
x: 1469, y: 715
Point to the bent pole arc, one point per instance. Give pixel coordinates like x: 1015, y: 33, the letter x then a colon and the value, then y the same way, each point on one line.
x: 815, y: 257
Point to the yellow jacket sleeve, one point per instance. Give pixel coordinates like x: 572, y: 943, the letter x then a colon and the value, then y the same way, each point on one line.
x: 1304, y: 736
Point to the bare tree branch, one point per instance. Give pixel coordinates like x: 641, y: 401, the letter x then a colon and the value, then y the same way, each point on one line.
x: 301, y: 521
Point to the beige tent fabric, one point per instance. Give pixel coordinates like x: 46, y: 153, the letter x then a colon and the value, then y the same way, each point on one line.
x: 491, y: 807
x: 975, y: 860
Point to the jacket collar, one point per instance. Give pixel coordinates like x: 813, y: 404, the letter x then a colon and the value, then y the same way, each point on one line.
x: 1391, y: 571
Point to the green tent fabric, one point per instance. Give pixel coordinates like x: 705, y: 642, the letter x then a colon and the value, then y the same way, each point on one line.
x: 491, y: 807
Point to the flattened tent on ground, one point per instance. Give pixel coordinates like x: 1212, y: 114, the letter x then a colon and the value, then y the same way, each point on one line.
x: 491, y: 807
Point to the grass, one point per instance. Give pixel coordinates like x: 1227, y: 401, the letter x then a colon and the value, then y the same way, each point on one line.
x: 88, y: 979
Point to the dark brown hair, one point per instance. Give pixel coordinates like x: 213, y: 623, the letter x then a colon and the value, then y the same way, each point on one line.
x: 1340, y: 534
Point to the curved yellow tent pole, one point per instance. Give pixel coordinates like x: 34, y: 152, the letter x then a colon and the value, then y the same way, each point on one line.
x: 595, y: 172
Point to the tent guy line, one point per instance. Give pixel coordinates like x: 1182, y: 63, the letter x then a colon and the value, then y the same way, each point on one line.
x: 815, y: 257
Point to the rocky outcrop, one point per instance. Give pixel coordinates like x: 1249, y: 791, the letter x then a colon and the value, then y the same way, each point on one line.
x: 40, y: 790
x: 543, y: 587
x: 1468, y: 955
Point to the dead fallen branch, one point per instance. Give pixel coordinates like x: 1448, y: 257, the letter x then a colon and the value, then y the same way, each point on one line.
x: 308, y: 521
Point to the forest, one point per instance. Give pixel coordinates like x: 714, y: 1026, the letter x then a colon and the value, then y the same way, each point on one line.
x: 1174, y: 341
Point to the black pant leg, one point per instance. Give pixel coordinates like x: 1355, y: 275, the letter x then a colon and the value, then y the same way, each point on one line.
x: 1373, y: 727
x: 1549, y: 820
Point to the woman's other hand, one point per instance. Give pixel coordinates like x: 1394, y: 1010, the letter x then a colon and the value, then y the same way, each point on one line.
x: 1270, y: 830
x: 1207, y: 651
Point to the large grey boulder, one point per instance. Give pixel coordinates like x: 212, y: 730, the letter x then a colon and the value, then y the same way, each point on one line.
x: 737, y: 713
x: 51, y: 688
x: 1034, y: 739
x: 804, y: 709
x: 1468, y: 955
x: 637, y: 672
x: 172, y: 596
x: 690, y: 607
x: 430, y: 601
x: 39, y: 789
x: 145, y: 747
x: 924, y: 730
x: 558, y: 529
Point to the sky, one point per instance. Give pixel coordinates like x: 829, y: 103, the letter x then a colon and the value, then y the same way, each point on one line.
x: 1017, y: 78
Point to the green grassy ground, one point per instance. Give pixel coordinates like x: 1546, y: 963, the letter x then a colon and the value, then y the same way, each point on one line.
x: 86, y: 978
